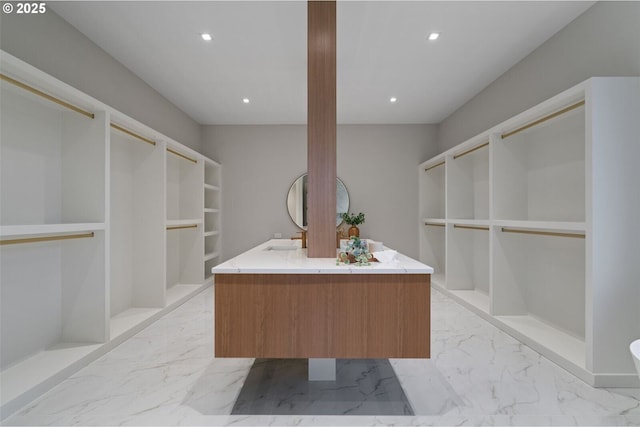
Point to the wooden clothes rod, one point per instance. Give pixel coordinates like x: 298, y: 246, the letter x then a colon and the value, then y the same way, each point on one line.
x: 133, y: 134
x: 544, y: 119
x: 471, y: 227
x: 181, y: 155
x: 46, y: 96
x: 180, y: 227
x: 434, y: 166
x: 433, y: 224
x: 471, y: 150
x: 543, y: 233
x: 46, y: 238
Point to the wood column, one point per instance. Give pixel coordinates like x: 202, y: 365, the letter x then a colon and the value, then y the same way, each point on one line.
x: 321, y: 128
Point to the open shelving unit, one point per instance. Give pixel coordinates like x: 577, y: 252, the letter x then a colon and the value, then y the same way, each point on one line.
x: 52, y: 173
x: 52, y: 227
x: 546, y: 303
x: 540, y: 171
x: 468, y: 182
x: 432, y: 213
x: 184, y: 225
x: 432, y: 183
x: 531, y: 222
x: 212, y: 212
x: 137, y: 221
x: 86, y: 197
x: 468, y: 263
x: 432, y: 249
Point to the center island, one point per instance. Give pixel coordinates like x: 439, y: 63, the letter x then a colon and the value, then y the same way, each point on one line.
x: 274, y: 302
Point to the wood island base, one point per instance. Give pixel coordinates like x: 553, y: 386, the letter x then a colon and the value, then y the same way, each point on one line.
x: 345, y: 316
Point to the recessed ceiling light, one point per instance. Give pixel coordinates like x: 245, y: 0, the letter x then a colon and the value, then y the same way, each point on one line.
x: 434, y: 36
x: 206, y: 37
x: 245, y: 100
x: 393, y: 99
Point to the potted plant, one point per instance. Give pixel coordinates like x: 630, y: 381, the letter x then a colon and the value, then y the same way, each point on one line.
x: 353, y: 221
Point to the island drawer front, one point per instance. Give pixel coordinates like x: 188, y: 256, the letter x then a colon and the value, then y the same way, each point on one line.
x: 322, y: 315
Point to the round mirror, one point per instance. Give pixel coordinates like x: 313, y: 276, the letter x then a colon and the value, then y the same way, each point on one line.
x: 297, y: 201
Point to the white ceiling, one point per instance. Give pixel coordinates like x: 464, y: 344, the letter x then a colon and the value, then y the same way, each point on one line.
x: 259, y: 52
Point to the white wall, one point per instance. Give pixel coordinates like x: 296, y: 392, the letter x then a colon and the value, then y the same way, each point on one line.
x: 377, y: 163
x: 603, y: 41
x: 49, y: 43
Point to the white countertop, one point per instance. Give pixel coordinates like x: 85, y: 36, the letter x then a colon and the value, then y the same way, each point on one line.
x: 264, y: 261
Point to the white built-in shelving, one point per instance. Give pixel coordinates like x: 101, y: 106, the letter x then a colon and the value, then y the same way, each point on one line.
x: 86, y: 197
x: 137, y: 221
x: 467, y: 176
x: 540, y: 171
x: 212, y: 216
x: 432, y: 249
x: 184, y: 225
x: 432, y: 214
x: 468, y: 262
x: 52, y: 258
x: 432, y: 194
x: 531, y: 222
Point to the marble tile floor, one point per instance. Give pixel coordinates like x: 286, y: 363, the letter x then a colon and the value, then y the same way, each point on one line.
x: 478, y: 375
x: 362, y: 387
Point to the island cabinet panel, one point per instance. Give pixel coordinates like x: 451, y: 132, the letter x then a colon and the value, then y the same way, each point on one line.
x: 322, y: 315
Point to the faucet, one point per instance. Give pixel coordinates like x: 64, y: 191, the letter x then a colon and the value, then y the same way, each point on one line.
x: 340, y: 234
x: 303, y: 237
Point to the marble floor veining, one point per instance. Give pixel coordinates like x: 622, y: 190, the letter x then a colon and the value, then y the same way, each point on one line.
x: 362, y: 387
x: 478, y: 375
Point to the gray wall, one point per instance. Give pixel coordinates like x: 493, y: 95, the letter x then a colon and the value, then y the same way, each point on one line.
x: 378, y: 164
x: 603, y: 41
x: 50, y: 44
x: 260, y: 162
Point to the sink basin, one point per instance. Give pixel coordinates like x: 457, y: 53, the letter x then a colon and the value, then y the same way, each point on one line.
x: 281, y: 248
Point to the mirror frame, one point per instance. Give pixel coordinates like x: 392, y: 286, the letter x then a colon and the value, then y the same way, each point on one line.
x: 305, y: 227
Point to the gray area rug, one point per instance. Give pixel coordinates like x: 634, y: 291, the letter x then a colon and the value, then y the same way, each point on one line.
x: 362, y: 387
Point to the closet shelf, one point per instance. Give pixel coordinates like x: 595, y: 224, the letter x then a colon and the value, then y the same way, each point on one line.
x: 180, y: 292
x: 211, y: 210
x: 543, y: 119
x: 472, y: 297
x: 133, y: 134
x: 211, y: 233
x: 471, y: 222
x: 434, y: 221
x: 557, y: 226
x: 434, y: 165
x: 37, y: 229
x: 211, y: 256
x: 51, y: 364
x: 547, y: 339
x: 179, y: 222
x: 130, y: 318
x: 211, y: 187
x: 470, y: 150
x: 183, y: 156
x: 47, y: 96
